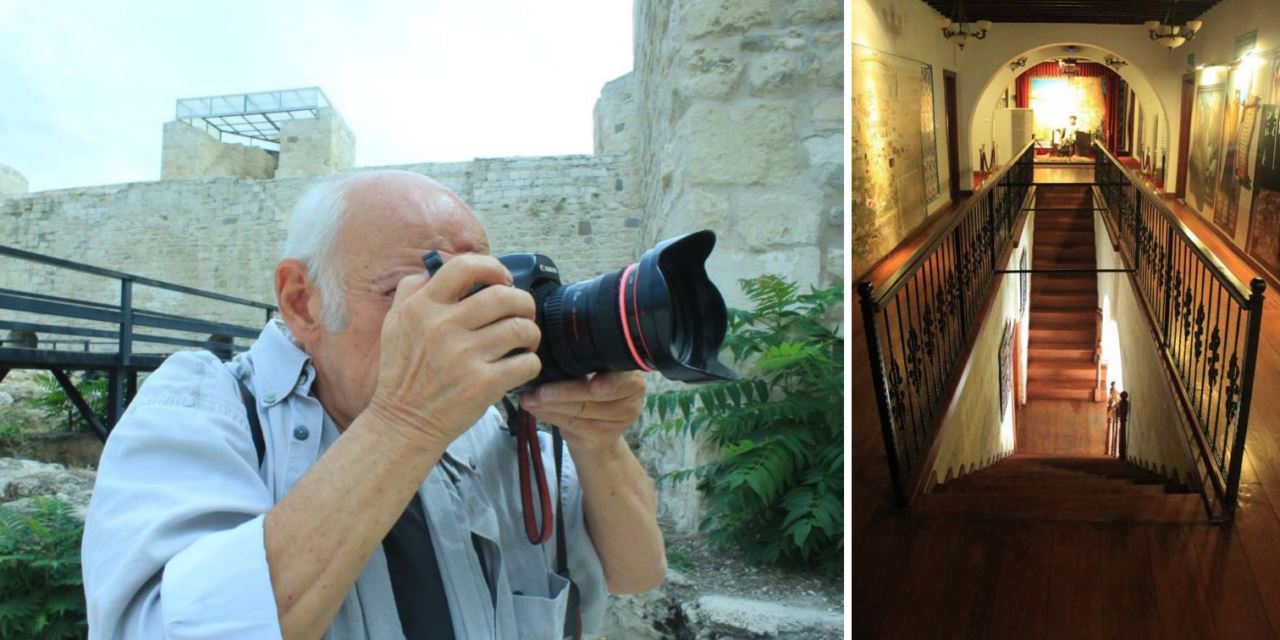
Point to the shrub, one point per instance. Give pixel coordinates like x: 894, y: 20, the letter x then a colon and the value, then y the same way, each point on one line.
x: 41, y: 592
x: 55, y: 403
x: 776, y: 489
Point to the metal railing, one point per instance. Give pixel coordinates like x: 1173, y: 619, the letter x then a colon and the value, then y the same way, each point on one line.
x: 1206, y: 319
x: 62, y: 316
x: 920, y: 318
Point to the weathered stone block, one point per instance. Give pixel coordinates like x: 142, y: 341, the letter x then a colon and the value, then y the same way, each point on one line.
x: 699, y: 209
x: 710, y: 73
x: 773, y: 73
x: 770, y: 219
x: 828, y: 114
x: 810, y: 11
x: 756, y: 42
x: 739, y: 144
x: 828, y: 38
x: 705, y: 17
x: 830, y: 69
x: 11, y: 181
x: 824, y: 149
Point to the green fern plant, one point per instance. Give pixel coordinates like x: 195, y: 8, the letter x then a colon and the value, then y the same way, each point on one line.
x: 776, y: 489
x: 41, y: 590
x: 54, y: 402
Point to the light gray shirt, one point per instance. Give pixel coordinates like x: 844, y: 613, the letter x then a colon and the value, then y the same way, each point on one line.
x: 174, y: 547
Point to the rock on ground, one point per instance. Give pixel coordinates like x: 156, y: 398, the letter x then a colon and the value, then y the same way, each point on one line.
x: 21, y: 480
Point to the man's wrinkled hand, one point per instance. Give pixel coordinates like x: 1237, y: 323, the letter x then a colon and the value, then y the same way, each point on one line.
x: 594, y: 412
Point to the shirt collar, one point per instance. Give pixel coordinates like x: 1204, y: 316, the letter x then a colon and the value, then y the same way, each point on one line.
x: 279, y: 365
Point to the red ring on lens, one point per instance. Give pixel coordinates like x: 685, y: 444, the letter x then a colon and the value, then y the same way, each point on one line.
x: 635, y: 306
x: 626, y: 326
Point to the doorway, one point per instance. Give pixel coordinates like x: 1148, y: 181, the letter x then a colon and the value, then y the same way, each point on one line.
x: 1184, y: 131
x: 953, y: 135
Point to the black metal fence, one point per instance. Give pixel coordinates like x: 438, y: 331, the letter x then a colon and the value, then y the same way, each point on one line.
x: 111, y: 329
x: 919, y: 319
x: 1207, y: 320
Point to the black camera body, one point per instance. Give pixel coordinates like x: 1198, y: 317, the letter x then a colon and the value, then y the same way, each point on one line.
x: 661, y: 314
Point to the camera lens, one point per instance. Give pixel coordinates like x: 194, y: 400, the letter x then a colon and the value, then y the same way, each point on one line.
x: 659, y: 314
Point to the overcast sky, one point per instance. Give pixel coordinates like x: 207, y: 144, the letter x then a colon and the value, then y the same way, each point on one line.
x: 86, y: 86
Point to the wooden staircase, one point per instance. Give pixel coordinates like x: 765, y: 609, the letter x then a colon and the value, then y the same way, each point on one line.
x: 1063, y: 330
x: 1061, y: 488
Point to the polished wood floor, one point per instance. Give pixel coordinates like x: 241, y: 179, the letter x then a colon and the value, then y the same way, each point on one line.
x: 1065, y: 427
x: 922, y: 576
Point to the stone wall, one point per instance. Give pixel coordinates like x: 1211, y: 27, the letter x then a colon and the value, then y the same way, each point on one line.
x: 740, y: 112
x: 226, y: 234
x: 615, y: 117
x: 316, y: 146
x: 189, y: 152
x: 741, y: 121
x: 11, y: 181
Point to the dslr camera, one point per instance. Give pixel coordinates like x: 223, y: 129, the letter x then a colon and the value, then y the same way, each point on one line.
x: 659, y: 314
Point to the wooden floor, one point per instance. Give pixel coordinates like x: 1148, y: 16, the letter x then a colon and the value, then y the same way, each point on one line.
x: 933, y: 577
x: 1067, y: 427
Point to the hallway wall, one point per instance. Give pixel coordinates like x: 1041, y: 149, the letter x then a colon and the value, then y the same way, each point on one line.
x: 976, y: 431
x: 1156, y: 441
x: 905, y: 28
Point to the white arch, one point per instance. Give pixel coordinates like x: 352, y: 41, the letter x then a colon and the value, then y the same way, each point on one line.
x: 981, y: 115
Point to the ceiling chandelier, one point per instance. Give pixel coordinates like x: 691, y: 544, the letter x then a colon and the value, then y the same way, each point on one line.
x: 957, y: 30
x: 1168, y: 33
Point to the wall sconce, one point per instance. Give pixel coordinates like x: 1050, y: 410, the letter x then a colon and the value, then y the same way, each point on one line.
x: 1018, y: 64
x: 1115, y: 62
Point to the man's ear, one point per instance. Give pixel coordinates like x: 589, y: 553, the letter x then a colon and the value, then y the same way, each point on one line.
x: 299, y: 300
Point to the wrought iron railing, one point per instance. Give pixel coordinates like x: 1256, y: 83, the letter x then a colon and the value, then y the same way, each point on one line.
x: 1206, y: 319
x: 920, y: 318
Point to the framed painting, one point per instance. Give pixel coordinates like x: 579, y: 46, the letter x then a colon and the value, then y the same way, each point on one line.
x: 1205, y: 148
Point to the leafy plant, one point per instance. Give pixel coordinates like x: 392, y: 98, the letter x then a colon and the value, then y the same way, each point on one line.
x: 54, y: 402
x: 41, y: 591
x: 11, y: 432
x: 676, y: 559
x: 776, y: 489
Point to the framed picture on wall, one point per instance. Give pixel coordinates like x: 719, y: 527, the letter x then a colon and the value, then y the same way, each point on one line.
x: 1006, y: 367
x: 1023, y: 279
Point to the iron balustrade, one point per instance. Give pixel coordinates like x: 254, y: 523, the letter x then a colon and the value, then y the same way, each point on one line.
x: 61, y: 316
x: 919, y: 320
x: 1206, y: 319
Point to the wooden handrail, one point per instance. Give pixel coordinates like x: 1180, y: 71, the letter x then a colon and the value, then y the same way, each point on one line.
x: 894, y: 281
x: 1220, y: 271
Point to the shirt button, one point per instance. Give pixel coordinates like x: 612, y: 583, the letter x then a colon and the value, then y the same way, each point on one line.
x: 301, y: 433
x: 302, y: 377
x: 269, y: 398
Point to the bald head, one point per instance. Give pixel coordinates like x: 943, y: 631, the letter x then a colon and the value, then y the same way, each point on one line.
x: 372, y: 221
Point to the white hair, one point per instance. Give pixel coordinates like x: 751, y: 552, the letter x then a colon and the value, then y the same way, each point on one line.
x: 313, y: 239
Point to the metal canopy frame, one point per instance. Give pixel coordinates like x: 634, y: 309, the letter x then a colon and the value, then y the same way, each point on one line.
x: 252, y: 116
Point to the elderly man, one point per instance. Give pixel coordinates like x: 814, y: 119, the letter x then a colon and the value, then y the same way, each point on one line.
x: 375, y: 390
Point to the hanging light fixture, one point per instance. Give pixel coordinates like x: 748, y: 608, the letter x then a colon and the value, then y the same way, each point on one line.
x: 957, y: 30
x: 1169, y: 33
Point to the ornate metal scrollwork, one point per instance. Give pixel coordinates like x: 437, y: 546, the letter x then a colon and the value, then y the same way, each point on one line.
x: 913, y: 358
x: 1215, y: 341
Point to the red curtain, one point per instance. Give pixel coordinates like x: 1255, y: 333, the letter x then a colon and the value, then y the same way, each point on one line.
x: 1110, y: 88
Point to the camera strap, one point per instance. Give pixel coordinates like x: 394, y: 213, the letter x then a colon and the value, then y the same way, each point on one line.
x: 529, y: 458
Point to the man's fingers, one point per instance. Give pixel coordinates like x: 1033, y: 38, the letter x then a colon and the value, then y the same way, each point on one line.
x: 461, y: 273
x: 493, y: 304
x: 610, y: 411
x: 407, y: 286
x: 583, y: 426
x: 602, y: 387
x: 504, y: 336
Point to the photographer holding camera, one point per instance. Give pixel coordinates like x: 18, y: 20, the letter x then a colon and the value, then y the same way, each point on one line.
x: 375, y: 390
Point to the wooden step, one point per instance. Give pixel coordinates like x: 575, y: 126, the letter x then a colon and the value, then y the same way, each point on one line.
x: 1066, y: 301
x: 1082, y: 335
x: 1042, y: 372
x: 1065, y: 353
x: 1029, y: 491
x: 1172, y: 508
x: 1072, y: 317
x: 1048, y: 392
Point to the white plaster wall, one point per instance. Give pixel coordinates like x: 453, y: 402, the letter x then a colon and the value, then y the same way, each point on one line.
x: 1215, y: 43
x: 975, y: 432
x: 1156, y: 439
x: 908, y: 28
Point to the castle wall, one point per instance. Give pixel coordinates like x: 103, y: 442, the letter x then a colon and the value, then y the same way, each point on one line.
x: 615, y: 117
x: 11, y: 181
x: 226, y: 234
x: 189, y: 152
x: 316, y: 146
x: 740, y: 122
